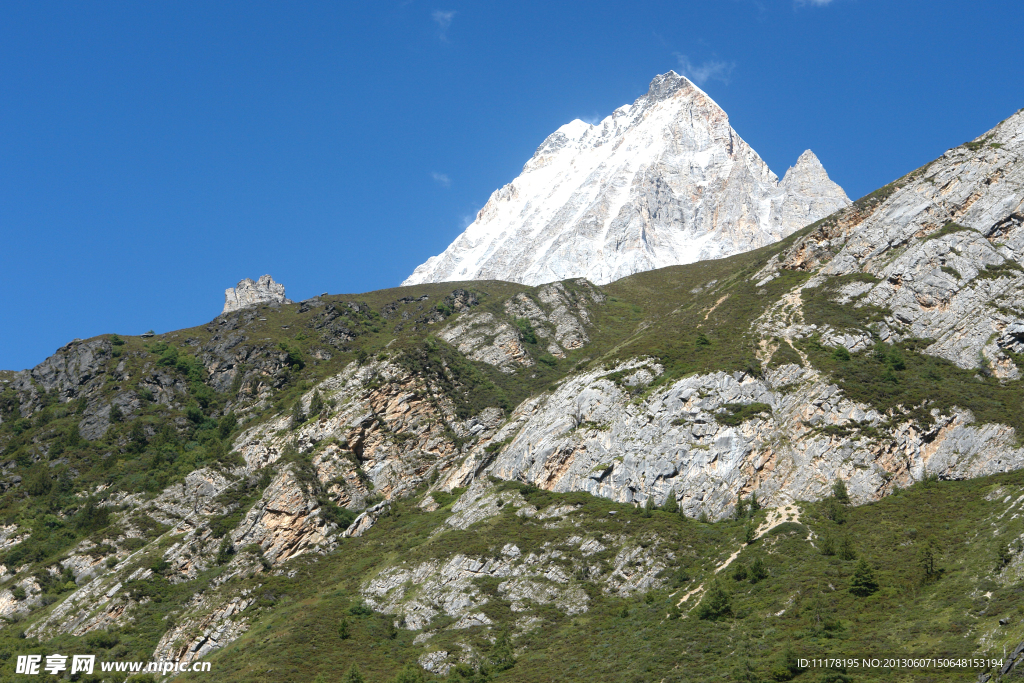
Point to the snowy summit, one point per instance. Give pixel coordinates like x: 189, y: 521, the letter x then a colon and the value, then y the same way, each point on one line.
x: 661, y: 182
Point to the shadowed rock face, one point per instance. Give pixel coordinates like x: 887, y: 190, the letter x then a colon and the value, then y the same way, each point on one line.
x: 248, y: 293
x: 661, y: 182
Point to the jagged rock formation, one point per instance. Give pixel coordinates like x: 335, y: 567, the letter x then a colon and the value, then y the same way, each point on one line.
x: 248, y: 293
x: 660, y: 182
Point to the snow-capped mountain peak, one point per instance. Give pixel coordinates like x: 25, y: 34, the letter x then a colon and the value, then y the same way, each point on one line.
x: 663, y: 181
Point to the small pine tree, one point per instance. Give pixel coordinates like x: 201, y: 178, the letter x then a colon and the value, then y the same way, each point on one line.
x: 846, y: 551
x: 750, y: 535
x: 624, y: 613
x: 649, y: 506
x: 703, y: 518
x: 1004, y: 557
x: 410, y: 673
x: 758, y: 572
x: 834, y: 510
x: 839, y: 492
x: 298, y: 416
x: 671, y: 504
x: 502, y: 657
x: 754, y: 504
x: 316, y: 404
x: 716, y: 604
x: 740, y: 511
x: 353, y: 675
x: 863, y: 582
x: 926, y: 560
x: 343, y: 631
x: 827, y: 543
x: 739, y: 572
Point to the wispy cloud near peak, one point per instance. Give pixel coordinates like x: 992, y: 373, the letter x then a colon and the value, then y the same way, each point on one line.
x: 709, y: 70
x: 443, y: 18
x: 441, y: 179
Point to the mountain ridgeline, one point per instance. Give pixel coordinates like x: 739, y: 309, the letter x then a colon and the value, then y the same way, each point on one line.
x: 714, y: 470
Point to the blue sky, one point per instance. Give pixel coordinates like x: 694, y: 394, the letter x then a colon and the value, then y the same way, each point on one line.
x: 154, y: 153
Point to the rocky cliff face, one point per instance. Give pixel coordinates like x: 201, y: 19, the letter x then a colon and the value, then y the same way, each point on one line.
x: 660, y: 182
x: 248, y: 293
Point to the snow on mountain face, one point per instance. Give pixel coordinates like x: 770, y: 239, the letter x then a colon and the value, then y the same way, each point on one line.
x: 661, y: 182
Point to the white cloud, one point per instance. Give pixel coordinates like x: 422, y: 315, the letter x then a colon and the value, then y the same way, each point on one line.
x: 710, y: 70
x: 816, y: 3
x: 443, y: 18
x: 441, y: 179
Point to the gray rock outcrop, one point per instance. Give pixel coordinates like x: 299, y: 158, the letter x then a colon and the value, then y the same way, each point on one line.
x: 248, y: 293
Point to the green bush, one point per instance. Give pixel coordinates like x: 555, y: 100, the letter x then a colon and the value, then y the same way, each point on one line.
x: 735, y: 414
x: 526, y: 330
x: 360, y: 609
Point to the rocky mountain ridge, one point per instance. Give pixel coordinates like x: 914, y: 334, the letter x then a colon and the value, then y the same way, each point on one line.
x: 661, y: 182
x: 457, y: 464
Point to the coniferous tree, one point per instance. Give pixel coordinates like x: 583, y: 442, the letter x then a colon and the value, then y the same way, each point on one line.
x: 298, y: 416
x: 716, y: 604
x: 671, y: 504
x: 343, y: 631
x: 741, y: 508
x: 926, y: 560
x: 353, y: 675
x: 839, y: 492
x: 834, y: 510
x: 863, y: 582
x: 750, y: 535
x: 502, y: 657
x: 827, y: 543
x: 1004, y: 557
x: 410, y: 673
x: 649, y: 506
x: 846, y: 551
x: 316, y: 404
x: 758, y: 572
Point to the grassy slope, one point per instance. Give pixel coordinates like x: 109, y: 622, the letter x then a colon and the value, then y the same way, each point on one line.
x: 295, y: 634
